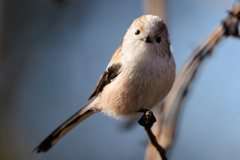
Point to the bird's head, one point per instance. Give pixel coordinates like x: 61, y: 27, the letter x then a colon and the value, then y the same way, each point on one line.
x: 149, y: 33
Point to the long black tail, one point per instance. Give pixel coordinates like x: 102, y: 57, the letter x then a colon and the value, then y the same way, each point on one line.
x: 63, y: 129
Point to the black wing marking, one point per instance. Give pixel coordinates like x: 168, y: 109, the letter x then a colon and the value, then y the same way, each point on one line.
x: 112, y: 72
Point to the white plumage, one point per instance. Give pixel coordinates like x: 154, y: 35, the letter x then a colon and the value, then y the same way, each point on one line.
x: 139, y: 75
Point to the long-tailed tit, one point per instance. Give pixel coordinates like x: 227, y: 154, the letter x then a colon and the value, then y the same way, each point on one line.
x: 139, y: 75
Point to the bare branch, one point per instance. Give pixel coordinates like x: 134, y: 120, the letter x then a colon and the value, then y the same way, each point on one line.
x: 147, y: 121
x: 156, y: 7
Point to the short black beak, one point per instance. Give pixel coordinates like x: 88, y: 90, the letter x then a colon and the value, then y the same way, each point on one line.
x: 147, y: 39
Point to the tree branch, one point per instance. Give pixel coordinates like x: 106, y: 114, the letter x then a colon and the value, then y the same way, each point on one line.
x: 147, y: 121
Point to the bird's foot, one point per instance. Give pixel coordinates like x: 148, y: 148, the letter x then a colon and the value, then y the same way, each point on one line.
x: 147, y: 119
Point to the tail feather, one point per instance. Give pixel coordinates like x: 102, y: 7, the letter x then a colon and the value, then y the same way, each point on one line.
x: 63, y: 129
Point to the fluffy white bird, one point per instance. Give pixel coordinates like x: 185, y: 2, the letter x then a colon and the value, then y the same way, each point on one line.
x: 139, y: 75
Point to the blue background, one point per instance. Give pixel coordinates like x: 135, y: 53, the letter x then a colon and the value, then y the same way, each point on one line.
x: 53, y: 56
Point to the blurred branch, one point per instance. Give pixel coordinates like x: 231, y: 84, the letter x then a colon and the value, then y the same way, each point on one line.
x: 186, y: 74
x: 156, y: 7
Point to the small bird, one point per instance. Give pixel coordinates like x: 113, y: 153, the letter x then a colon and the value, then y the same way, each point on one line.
x: 140, y: 74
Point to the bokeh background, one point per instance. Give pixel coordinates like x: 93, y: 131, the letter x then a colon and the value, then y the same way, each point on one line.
x: 52, y: 56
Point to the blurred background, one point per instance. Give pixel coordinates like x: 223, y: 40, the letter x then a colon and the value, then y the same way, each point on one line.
x: 52, y: 55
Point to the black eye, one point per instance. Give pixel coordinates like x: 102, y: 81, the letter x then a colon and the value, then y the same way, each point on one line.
x: 158, y: 39
x: 137, y: 32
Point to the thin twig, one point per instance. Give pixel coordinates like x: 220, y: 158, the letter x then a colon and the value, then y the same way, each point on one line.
x: 147, y: 121
x: 154, y: 142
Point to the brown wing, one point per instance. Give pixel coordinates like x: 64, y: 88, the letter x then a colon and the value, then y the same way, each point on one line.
x: 112, y: 72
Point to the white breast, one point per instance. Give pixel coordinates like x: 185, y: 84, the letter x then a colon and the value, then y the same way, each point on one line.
x: 143, y: 82
x: 148, y: 83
